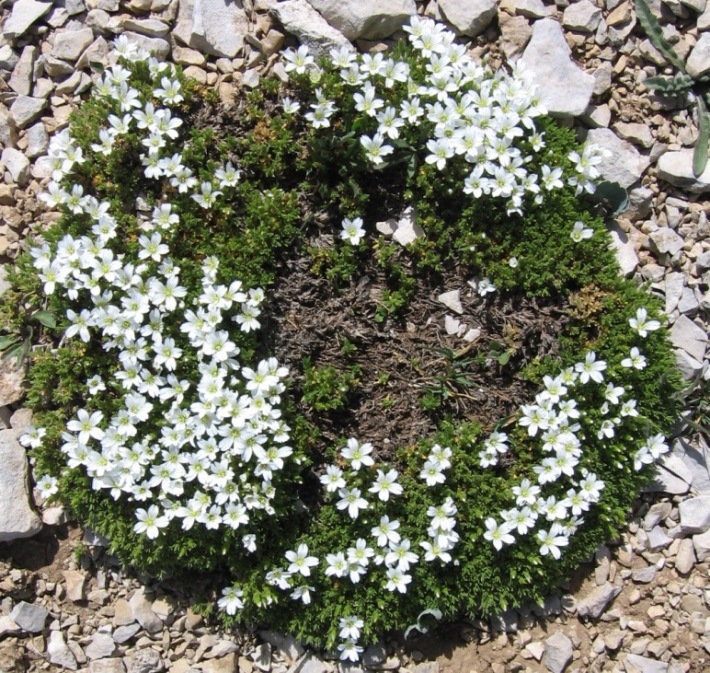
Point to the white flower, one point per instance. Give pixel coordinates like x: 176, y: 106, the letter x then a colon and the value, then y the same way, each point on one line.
x: 332, y: 479
x: 386, y: 484
x: 397, y: 580
x: 231, y: 600
x: 642, y: 324
x: 353, y: 231
x: 552, y: 541
x: 87, y: 425
x: 357, y: 454
x: 150, y: 522
x: 498, y: 534
x: 635, y: 359
x: 300, y: 561
x: 352, y: 500
x: 349, y: 651
x: 350, y: 627
x: 375, y: 148
x: 386, y: 532
x: 580, y: 232
x: 591, y: 368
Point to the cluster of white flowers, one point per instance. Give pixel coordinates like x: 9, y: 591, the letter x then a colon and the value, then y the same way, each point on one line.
x: 555, y: 420
x: 204, y: 451
x: 466, y: 111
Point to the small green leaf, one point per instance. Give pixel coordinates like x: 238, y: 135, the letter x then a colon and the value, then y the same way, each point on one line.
x: 7, y: 341
x: 97, y: 67
x: 613, y: 196
x: 504, y: 358
x: 700, y: 154
x: 652, y: 28
x: 46, y: 318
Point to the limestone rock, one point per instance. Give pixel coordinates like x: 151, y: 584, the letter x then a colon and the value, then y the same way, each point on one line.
x: 665, y: 241
x: 565, y: 89
x: 558, y: 652
x: 154, y: 45
x: 22, y: 74
x: 624, y: 165
x: 690, y: 337
x: 17, y: 518
x: 24, y: 14
x: 515, y: 32
x: 698, y: 63
x: 101, y: 646
x: 645, y: 664
x: 303, y: 21
x: 701, y: 545
x: 69, y: 46
x: 17, y: 164
x: 26, y: 110
x: 365, y: 19
x: 112, y: 665
x: 145, y: 660
x: 59, y: 653
x: 583, y: 16
x: 144, y: 614
x: 289, y: 647
x: 597, y: 600
x: 76, y: 585
x: 625, y: 250
x: 677, y: 168
x: 452, y: 300
x: 694, y: 515
x: 469, y: 17
x: 216, y: 27
x: 29, y: 617
x: 685, y: 558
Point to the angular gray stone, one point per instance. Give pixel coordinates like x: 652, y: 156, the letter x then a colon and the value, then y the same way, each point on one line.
x: 155, y: 45
x: 688, y: 366
x: 149, y: 27
x: 24, y: 14
x: 144, y: 614
x: 59, y: 653
x: 690, y: 337
x: 124, y: 633
x: 113, y: 665
x: 216, y: 27
x: 69, y: 45
x: 698, y: 63
x: 597, y: 600
x: 558, y: 652
x: 22, y: 74
x: 694, y: 515
x: 101, y: 646
x: 695, y: 458
x: 37, y: 141
x: 644, y: 664
x: 701, y: 544
x: 625, y: 250
x: 638, y: 134
x: 583, y: 17
x: 76, y: 585
x: 303, y: 21
x: 644, y: 575
x: 17, y: 164
x: 658, y: 540
x: 677, y: 168
x: 624, y: 164
x: 29, y: 617
x: 17, y: 518
x: 8, y: 57
x: 145, y: 660
x: 366, y: 19
x: 26, y: 110
x: 665, y: 241
x: 685, y: 557
x: 8, y: 627
x: 673, y: 290
x: 452, y: 300
x: 288, y: 646
x: 469, y: 17
x: 407, y: 230
x: 564, y: 88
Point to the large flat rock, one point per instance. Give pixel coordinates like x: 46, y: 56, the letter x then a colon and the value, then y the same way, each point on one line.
x: 565, y: 89
x: 17, y: 518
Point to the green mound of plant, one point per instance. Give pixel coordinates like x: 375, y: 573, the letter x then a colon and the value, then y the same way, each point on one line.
x: 164, y: 420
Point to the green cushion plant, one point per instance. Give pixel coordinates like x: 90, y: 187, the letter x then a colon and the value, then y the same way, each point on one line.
x: 202, y: 249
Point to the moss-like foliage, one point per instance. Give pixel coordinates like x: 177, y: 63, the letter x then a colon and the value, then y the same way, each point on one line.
x: 283, y: 216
